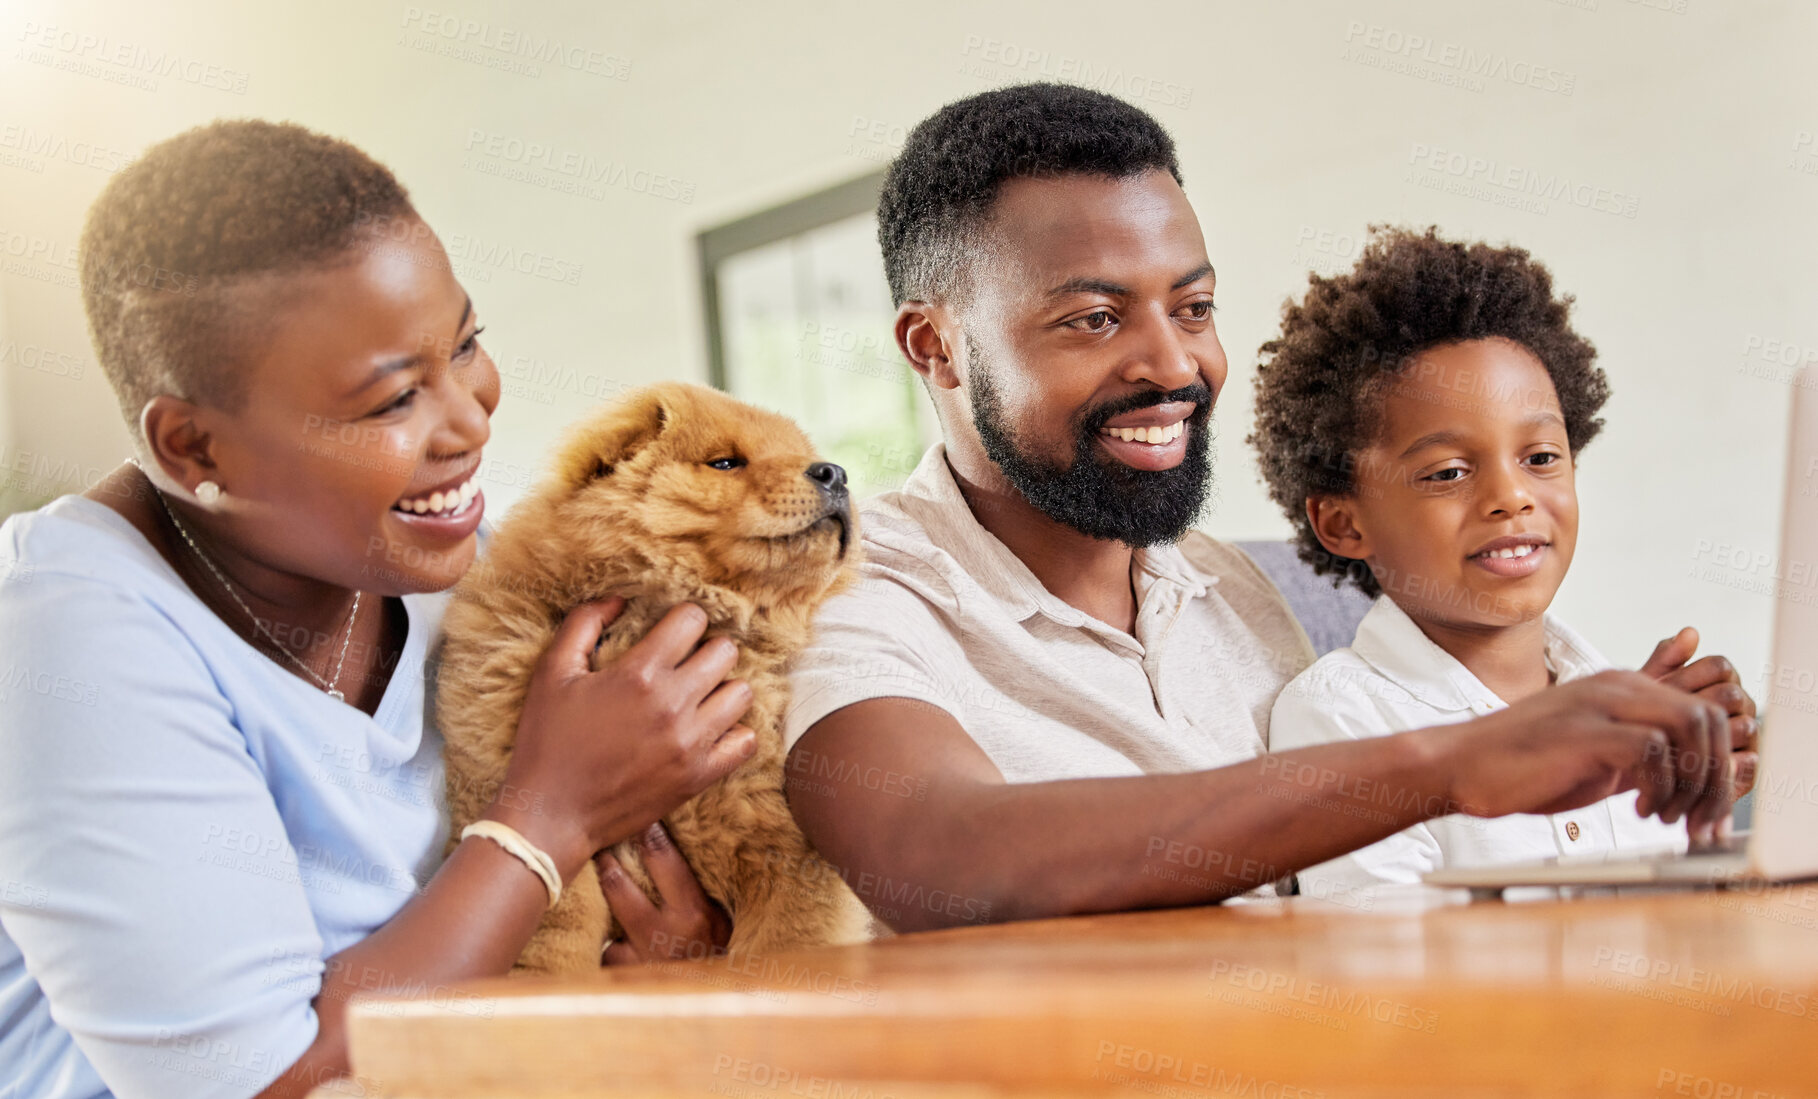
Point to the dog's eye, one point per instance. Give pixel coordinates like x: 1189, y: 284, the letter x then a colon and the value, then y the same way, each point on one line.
x: 726, y: 463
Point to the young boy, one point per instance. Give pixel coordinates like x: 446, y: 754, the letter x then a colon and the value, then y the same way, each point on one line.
x: 1420, y: 419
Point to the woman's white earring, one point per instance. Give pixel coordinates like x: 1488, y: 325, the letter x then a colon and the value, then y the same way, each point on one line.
x: 208, y: 492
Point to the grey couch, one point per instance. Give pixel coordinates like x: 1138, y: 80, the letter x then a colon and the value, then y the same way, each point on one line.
x: 1329, y: 615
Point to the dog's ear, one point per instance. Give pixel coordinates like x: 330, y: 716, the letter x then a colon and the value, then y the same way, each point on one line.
x: 616, y: 435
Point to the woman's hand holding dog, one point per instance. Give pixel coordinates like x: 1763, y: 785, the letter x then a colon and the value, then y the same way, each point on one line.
x: 685, y: 926
x: 601, y: 754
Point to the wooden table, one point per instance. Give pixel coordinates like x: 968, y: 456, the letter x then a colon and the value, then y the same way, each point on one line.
x: 1712, y: 995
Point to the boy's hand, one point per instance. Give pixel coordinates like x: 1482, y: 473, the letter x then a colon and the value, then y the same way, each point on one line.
x: 1713, y: 678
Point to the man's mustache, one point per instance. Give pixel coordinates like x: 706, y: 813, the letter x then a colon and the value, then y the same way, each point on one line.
x: 1199, y: 393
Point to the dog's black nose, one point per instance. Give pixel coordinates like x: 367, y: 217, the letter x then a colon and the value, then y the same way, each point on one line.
x: 830, y: 477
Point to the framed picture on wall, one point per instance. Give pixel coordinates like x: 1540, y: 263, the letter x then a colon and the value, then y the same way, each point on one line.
x: 799, y: 319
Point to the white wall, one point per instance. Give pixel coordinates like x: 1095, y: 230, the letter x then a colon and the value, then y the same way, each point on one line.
x: 6, y: 404
x: 1298, y: 125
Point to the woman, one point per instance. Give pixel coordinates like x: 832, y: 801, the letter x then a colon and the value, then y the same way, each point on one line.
x: 219, y: 778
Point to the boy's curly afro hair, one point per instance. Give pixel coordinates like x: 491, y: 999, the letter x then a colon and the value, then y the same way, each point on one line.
x: 1320, y: 384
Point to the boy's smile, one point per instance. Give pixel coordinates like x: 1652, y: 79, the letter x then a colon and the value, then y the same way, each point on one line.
x: 1465, y: 505
x: 1512, y: 556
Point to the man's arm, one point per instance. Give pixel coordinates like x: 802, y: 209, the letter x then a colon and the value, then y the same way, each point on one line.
x: 1334, y: 704
x: 975, y: 847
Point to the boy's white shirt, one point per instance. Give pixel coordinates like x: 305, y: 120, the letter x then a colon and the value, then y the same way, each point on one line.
x: 1394, y: 678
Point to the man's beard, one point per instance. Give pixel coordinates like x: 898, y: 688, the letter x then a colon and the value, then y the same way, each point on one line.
x: 1097, y: 495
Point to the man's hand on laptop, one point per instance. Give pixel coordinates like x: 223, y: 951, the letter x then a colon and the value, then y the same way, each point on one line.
x: 1714, y: 678
x: 1585, y: 740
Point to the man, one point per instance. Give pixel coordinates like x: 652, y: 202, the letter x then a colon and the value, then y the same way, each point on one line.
x: 1047, y: 695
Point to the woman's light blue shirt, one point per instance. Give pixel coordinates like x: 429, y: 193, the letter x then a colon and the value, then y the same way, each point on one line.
x: 186, y: 829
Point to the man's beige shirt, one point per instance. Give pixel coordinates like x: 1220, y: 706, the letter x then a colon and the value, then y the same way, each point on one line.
x: 946, y: 615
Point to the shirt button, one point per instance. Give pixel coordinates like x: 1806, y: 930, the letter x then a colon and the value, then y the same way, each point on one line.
x: 1571, y: 829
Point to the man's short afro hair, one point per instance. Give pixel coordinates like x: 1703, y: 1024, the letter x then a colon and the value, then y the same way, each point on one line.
x: 1321, y: 382
x: 175, y: 238
x: 941, y: 189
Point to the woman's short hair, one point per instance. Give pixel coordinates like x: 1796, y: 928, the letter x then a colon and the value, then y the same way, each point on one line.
x: 178, y: 244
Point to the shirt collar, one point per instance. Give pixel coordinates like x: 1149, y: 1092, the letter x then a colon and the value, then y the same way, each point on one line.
x: 1001, y: 574
x: 1167, y: 562
x: 1396, y: 647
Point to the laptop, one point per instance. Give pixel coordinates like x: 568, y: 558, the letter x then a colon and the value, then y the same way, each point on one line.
x: 1782, y: 844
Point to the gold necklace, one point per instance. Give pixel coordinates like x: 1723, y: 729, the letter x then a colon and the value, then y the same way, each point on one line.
x: 331, y: 686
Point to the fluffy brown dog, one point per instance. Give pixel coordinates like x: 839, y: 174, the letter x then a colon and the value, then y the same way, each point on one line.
x: 673, y: 494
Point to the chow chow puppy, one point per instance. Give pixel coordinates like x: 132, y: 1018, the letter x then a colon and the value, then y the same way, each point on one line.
x: 672, y: 494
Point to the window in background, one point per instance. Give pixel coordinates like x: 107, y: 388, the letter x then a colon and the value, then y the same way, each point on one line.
x: 799, y: 320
